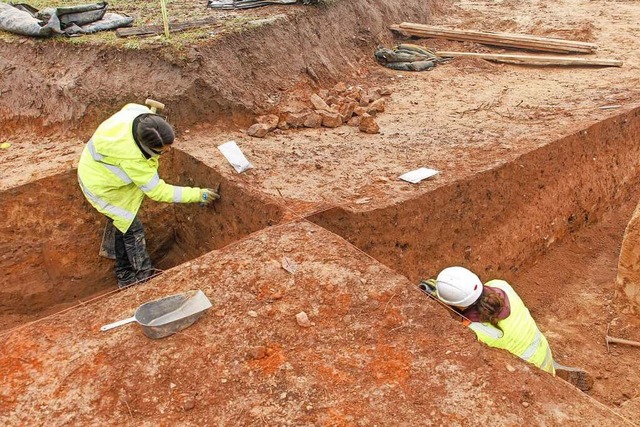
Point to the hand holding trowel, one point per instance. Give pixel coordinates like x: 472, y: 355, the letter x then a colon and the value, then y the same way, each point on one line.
x: 209, y: 195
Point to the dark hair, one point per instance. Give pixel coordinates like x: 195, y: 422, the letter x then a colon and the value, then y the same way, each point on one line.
x: 154, y: 132
x: 489, y: 306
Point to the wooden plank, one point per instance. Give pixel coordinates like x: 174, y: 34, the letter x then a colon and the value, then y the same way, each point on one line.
x: 532, y: 45
x: 503, y: 38
x: 535, y: 59
x: 498, y: 35
x: 174, y: 27
x: 490, y: 39
x: 493, y: 36
x: 498, y: 39
x: 512, y: 45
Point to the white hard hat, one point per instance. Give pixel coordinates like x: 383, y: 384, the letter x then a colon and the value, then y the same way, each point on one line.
x: 458, y: 286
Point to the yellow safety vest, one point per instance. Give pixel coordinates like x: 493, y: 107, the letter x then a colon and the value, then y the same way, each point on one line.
x: 519, y: 333
x: 114, y: 175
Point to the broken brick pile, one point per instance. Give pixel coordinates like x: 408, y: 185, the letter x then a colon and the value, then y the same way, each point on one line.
x: 350, y: 105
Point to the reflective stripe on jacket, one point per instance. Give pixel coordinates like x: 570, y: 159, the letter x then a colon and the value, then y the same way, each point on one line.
x: 520, y: 334
x: 114, y: 175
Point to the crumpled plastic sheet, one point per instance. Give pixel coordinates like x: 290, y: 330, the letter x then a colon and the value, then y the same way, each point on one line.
x: 81, y: 19
x: 21, y: 22
x: 406, y: 57
x: 79, y: 15
x: 109, y: 21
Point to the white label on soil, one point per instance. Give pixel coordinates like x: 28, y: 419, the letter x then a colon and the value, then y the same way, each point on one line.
x: 415, y: 176
x: 234, y: 155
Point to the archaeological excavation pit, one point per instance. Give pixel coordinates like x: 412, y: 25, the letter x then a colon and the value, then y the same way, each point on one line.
x: 50, y: 236
x: 538, y: 179
x: 506, y: 217
x: 551, y: 222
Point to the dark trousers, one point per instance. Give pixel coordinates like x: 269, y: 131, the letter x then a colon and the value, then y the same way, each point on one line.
x: 132, y: 259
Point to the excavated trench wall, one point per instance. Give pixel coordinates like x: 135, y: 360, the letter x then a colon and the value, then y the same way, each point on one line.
x: 50, y: 236
x: 234, y: 76
x: 499, y: 220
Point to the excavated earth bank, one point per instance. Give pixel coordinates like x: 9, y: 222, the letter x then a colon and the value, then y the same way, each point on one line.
x: 248, y: 363
x: 201, y: 83
x: 506, y: 216
x: 49, y: 236
x: 536, y: 187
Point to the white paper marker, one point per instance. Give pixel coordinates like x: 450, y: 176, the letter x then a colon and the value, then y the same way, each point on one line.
x: 415, y: 176
x: 233, y: 154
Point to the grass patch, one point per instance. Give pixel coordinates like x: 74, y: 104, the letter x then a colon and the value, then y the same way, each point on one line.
x: 149, y: 13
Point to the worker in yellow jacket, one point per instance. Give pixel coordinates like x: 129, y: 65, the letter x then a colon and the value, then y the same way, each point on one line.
x: 118, y: 167
x: 499, y: 318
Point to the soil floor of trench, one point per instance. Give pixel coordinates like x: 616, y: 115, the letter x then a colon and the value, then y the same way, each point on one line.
x: 538, y: 179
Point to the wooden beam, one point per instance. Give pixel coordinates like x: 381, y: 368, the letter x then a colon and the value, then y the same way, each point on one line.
x: 535, y: 59
x: 496, y: 35
x: 523, y: 41
x: 520, y: 44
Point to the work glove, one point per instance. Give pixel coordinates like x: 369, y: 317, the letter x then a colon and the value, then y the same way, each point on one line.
x: 207, y: 195
x: 428, y: 286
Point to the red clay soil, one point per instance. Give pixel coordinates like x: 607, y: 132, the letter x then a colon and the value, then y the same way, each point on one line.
x: 377, y: 351
x: 50, y: 259
x: 571, y: 292
x: 536, y: 186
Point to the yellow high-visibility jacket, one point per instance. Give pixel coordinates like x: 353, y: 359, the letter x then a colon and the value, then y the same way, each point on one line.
x: 519, y: 333
x: 114, y: 175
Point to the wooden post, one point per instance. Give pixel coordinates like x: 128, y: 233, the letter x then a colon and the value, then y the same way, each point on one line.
x: 165, y: 17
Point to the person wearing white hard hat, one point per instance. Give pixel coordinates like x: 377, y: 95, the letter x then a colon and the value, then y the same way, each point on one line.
x: 499, y: 318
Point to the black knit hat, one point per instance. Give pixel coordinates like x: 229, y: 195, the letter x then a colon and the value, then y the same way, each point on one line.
x: 154, y: 132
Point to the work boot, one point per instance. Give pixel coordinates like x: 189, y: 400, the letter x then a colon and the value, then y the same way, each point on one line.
x: 145, y: 275
x: 133, y: 264
x: 125, y: 283
x: 140, y: 277
x: 576, y: 376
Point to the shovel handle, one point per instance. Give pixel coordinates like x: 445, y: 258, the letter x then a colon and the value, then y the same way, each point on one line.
x: 621, y: 341
x: 118, y: 323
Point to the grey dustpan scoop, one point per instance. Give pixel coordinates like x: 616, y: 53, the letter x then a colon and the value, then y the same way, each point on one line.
x: 168, y: 315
